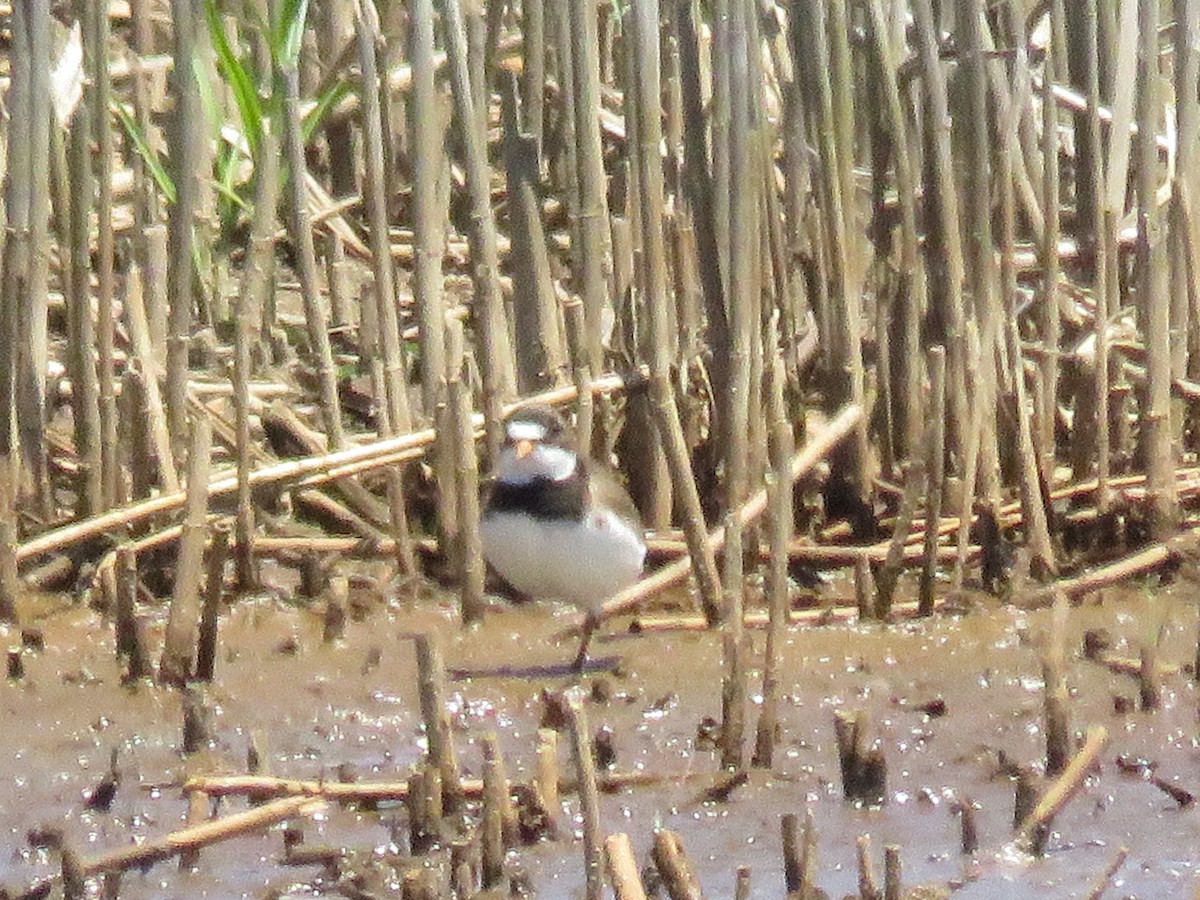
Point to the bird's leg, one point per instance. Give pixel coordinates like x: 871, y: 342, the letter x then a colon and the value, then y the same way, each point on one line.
x: 591, y: 621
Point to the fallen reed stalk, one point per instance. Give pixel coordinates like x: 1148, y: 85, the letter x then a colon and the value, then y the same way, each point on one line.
x: 267, y: 787
x: 309, y: 472
x: 1067, y: 785
x: 812, y: 453
x: 195, y: 837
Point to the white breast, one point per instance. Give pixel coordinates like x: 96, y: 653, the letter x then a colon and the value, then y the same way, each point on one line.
x: 583, y: 562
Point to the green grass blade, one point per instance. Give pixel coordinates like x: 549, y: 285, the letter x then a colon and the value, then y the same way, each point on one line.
x: 239, y: 79
x: 288, y: 39
x: 154, y: 166
x: 327, y: 101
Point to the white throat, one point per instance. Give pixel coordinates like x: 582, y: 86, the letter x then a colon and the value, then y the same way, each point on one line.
x: 543, y: 461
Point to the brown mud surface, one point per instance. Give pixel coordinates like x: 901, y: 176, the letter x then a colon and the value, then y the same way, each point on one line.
x: 354, y: 703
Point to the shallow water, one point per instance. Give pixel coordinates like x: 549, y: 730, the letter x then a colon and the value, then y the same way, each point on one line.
x: 321, y: 707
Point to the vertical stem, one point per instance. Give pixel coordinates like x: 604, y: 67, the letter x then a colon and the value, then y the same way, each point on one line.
x: 1154, y: 298
x: 300, y: 228
x: 185, y: 136
x: 179, y: 644
x: 493, y: 340
x: 650, y: 198
x: 589, y: 797
x: 937, y: 472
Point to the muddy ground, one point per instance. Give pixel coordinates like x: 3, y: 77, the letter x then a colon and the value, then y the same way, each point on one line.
x: 354, y: 703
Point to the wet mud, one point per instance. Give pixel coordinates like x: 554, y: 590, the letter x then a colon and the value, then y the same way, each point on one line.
x: 956, y: 702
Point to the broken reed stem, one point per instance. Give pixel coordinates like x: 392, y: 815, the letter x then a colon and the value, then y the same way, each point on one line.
x: 893, y: 888
x: 471, y: 571
x: 808, y: 855
x: 497, y: 793
x: 130, y: 644
x: 424, y: 803
x: 968, y: 827
x: 593, y: 264
x: 868, y: 887
x: 153, y: 417
x: 333, y: 625
x: 789, y: 833
x: 195, y: 837
x: 431, y: 689
x: 1104, y: 882
x: 1058, y: 730
x: 494, y: 345
x: 1149, y: 688
x: 179, y: 644
x: 214, y: 593
x: 199, y: 812
x: 589, y: 798
x: 1068, y: 784
x: 395, y: 390
x: 889, y: 573
x: 863, y: 767
x: 622, y: 868
x: 973, y: 421
x: 547, y: 768
x: 304, y: 260
x: 675, y: 867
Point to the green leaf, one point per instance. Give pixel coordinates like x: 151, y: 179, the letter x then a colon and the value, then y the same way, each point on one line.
x: 238, y: 78
x: 290, y: 35
x: 154, y: 166
x: 208, y: 98
x: 332, y: 97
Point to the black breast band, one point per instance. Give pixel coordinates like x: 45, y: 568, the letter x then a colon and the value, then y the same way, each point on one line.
x: 542, y: 498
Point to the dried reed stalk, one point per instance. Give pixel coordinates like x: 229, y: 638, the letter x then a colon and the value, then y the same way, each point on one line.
x: 1154, y: 297
x: 593, y: 261
x: 395, y: 384
x: 214, y: 594
x: 96, y: 43
x: 936, y: 472
x: 1050, y: 324
x: 621, y: 865
x: 431, y: 677
x: 909, y: 299
x: 779, y: 505
x: 493, y: 340
x: 943, y: 242
x: 733, y: 684
x: 300, y: 233
x: 81, y: 329
x: 533, y: 73
x: 1054, y: 662
x: 187, y: 131
x: 538, y: 337
x: 1067, y: 785
x: 589, y: 798
x: 179, y: 644
x: 153, y: 415
x: 470, y: 546
x: 644, y: 30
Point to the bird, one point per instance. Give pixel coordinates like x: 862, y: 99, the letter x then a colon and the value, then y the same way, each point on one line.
x: 555, y: 524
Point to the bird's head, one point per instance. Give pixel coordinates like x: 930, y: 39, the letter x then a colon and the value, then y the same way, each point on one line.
x: 537, y: 444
